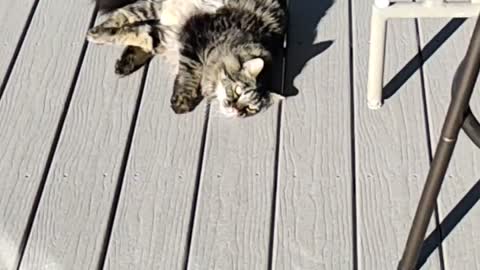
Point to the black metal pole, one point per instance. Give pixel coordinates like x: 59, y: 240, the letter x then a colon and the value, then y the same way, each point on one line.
x: 451, y: 128
x: 471, y: 126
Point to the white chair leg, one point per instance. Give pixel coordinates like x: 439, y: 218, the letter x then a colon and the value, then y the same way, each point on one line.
x: 376, y: 59
x: 434, y: 2
x: 382, y: 3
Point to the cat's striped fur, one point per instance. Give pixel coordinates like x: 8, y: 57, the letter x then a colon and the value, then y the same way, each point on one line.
x: 222, y: 47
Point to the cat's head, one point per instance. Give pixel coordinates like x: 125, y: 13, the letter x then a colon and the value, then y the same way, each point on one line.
x: 239, y: 92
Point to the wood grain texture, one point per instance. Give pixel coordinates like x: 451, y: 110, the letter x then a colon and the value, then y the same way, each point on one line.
x: 71, y: 221
x: 458, y: 203
x: 233, y: 218
x: 13, y: 16
x: 31, y: 107
x: 313, y: 227
x: 152, y: 222
x: 232, y: 225
x: 391, y: 147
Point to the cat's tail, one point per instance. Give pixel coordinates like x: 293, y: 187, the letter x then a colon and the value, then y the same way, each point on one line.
x: 110, y: 5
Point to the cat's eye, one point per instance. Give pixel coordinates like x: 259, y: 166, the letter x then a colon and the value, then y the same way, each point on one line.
x: 238, y: 90
x: 251, y: 109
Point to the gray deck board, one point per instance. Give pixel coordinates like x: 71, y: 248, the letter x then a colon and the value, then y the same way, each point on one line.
x: 458, y: 223
x: 313, y: 225
x: 391, y: 149
x: 233, y: 218
x: 72, y: 218
x: 152, y: 223
x: 31, y: 108
x: 318, y: 182
x: 12, y: 25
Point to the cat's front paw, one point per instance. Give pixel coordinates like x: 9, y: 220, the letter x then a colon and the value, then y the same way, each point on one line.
x: 181, y: 104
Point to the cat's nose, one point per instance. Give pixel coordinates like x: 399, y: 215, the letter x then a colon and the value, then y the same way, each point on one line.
x: 232, y: 112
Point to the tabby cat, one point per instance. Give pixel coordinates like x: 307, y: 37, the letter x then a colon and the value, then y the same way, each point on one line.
x: 222, y: 49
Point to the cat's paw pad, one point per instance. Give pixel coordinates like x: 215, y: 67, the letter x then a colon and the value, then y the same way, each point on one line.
x: 183, y: 104
x: 125, y: 66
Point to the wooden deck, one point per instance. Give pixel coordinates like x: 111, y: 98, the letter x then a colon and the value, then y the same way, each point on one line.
x: 96, y: 172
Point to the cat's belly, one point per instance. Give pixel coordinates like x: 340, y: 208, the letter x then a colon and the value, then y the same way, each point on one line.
x: 176, y: 12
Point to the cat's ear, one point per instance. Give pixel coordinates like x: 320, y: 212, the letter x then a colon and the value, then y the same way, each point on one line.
x: 253, y: 67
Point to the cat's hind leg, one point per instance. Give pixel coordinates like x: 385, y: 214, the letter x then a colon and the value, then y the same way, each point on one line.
x: 129, y: 35
x: 140, y: 11
x: 150, y: 36
x: 130, y: 25
x: 132, y: 59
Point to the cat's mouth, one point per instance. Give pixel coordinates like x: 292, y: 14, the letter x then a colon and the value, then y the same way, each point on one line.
x: 231, y: 112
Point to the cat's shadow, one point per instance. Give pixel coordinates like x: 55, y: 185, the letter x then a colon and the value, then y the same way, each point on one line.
x: 304, y: 18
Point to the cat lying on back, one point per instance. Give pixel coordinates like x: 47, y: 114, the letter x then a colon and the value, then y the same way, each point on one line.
x: 222, y: 48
